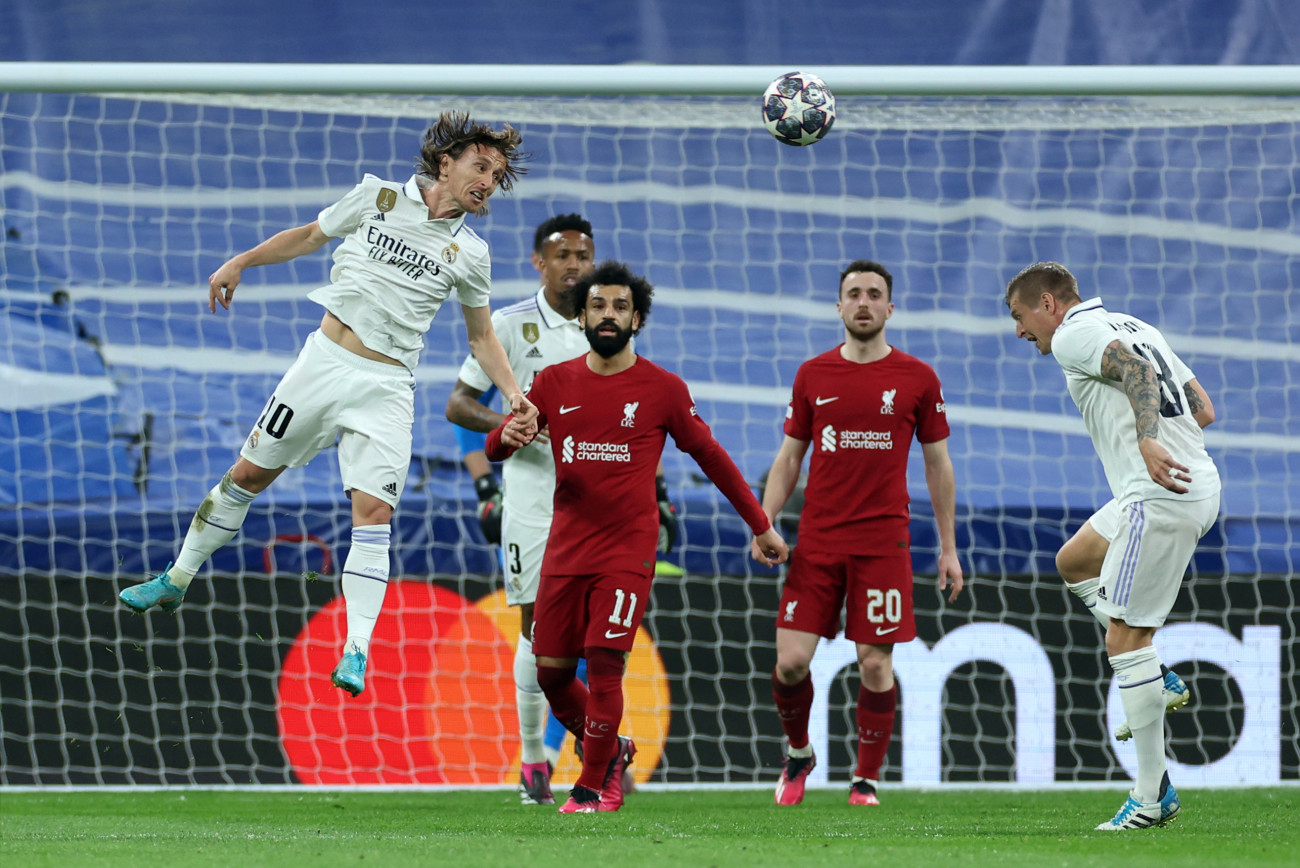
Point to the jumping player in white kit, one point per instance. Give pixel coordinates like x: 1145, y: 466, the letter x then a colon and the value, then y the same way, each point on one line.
x: 405, y: 250
x: 1144, y: 411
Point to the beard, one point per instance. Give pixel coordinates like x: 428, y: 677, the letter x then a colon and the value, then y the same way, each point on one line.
x: 606, y: 346
x: 864, y: 333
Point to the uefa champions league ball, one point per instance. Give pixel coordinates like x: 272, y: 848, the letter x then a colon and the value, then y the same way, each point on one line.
x: 798, y: 108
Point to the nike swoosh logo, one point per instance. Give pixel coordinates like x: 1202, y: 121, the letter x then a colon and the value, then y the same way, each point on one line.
x: 564, y: 409
x: 821, y: 400
x: 609, y: 635
x: 881, y: 631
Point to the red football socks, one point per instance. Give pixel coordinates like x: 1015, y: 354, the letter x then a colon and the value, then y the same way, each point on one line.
x: 875, y: 727
x: 604, y: 714
x: 566, y: 695
x: 794, y: 704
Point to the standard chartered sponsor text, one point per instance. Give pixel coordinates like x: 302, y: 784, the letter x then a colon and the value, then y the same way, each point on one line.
x: 866, y: 440
x: 588, y: 451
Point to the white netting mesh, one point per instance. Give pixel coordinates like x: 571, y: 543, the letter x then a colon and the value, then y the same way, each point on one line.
x: 123, y: 400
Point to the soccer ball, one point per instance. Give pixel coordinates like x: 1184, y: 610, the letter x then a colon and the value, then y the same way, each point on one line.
x: 798, y: 108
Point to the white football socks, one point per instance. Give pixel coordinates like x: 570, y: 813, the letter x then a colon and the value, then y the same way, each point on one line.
x: 1087, y: 591
x: 215, y: 523
x: 531, y: 704
x: 365, y: 582
x: 1141, y: 689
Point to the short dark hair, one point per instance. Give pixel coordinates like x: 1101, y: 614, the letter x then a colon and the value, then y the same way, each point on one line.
x: 453, y: 132
x: 560, y: 223
x: 866, y: 265
x: 1043, y: 277
x: 611, y: 273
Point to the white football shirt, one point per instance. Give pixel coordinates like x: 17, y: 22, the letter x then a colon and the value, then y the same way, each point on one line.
x: 1078, y: 346
x: 396, y: 266
x: 535, y: 336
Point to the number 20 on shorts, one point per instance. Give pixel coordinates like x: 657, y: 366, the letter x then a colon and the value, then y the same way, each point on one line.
x: 884, y: 606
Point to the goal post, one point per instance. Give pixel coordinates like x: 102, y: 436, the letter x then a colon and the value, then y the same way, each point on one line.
x: 633, y: 79
x: 1169, y: 191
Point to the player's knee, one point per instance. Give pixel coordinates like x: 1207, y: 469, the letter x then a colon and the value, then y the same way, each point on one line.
x: 792, y: 670
x: 605, y: 663
x: 1122, y: 638
x: 368, y: 509
x: 876, y: 673
x: 1067, y: 566
x: 250, y: 477
x: 554, y: 678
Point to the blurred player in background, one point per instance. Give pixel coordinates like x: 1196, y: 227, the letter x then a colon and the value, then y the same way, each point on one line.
x: 540, y: 331
x: 1144, y: 411
x: 406, y: 248
x: 858, y: 406
x: 609, y: 413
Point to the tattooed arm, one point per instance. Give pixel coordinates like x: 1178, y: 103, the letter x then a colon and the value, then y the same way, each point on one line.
x: 1138, y: 379
x: 1199, y: 403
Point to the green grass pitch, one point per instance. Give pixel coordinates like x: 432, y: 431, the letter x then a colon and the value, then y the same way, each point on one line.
x: 678, y: 828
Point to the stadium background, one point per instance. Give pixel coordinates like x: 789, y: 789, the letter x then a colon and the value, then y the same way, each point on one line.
x: 73, y: 707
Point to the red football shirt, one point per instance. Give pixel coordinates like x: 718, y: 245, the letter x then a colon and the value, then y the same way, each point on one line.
x: 860, y: 419
x: 607, y: 433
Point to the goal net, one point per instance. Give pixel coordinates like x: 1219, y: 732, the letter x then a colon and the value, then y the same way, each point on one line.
x: 124, y: 399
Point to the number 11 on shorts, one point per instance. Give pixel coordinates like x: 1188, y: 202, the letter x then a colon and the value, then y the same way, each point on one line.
x: 617, y: 616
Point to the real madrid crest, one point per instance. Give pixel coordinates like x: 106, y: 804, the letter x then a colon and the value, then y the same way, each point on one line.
x: 386, y: 199
x: 531, y: 333
x: 449, y: 253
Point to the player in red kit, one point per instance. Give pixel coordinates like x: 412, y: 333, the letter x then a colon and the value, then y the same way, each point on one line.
x: 859, y: 407
x: 608, y: 414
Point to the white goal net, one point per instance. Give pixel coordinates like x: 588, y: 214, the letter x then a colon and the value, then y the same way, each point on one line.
x: 122, y: 399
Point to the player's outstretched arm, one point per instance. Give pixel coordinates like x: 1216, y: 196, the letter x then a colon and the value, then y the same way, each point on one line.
x: 487, y: 349
x: 941, y: 481
x: 281, y: 247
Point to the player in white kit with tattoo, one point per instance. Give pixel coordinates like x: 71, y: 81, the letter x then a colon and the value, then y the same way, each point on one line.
x: 1141, y: 405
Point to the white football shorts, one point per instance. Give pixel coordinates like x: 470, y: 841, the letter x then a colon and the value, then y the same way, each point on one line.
x: 1105, y: 521
x: 523, y: 545
x: 330, y: 395
x: 1148, y: 557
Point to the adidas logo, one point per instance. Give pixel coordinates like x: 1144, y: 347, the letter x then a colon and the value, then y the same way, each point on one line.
x: 534, y: 353
x: 391, y: 488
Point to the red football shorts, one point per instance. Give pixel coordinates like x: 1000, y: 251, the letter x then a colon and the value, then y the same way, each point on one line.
x: 874, y: 592
x: 573, y: 613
